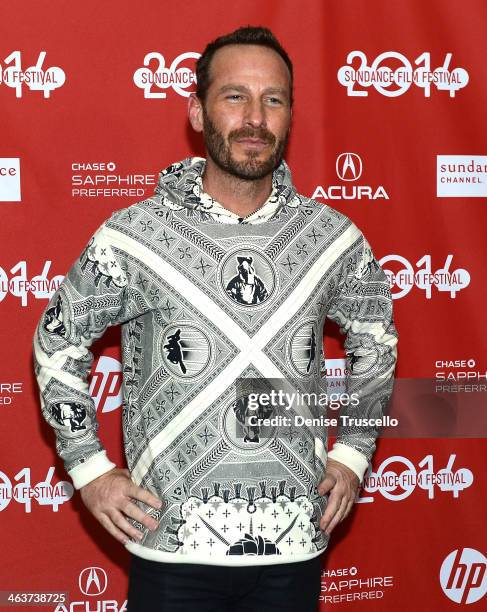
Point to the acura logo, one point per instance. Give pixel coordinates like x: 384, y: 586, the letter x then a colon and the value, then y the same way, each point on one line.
x: 349, y: 166
x: 93, y: 581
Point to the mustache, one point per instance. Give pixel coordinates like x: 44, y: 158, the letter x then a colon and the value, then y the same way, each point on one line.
x: 248, y: 132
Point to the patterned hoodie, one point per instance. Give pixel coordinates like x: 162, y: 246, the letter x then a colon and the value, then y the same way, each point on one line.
x: 206, y: 300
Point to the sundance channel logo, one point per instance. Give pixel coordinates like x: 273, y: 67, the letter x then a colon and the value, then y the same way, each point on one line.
x: 461, y: 176
x: 10, y: 179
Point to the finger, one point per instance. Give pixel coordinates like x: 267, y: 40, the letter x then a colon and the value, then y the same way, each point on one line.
x: 326, y: 484
x: 145, y: 496
x: 133, y: 511
x: 121, y: 522
x: 108, y: 524
x: 334, y: 501
x: 349, y: 506
x: 337, y: 518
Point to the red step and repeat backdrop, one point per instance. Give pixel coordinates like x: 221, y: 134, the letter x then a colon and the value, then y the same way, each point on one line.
x: 388, y: 127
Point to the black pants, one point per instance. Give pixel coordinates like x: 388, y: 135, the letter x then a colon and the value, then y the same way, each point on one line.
x: 174, y: 587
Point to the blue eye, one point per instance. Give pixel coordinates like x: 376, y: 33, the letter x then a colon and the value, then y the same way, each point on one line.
x: 275, y: 100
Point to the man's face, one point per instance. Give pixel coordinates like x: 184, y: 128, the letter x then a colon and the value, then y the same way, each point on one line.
x: 246, y: 114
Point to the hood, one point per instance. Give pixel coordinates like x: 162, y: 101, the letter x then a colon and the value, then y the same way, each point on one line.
x: 180, y: 186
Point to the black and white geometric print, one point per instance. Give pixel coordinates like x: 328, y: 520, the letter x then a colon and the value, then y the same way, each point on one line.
x: 199, y: 311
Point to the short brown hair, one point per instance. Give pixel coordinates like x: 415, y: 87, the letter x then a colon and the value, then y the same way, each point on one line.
x: 248, y: 35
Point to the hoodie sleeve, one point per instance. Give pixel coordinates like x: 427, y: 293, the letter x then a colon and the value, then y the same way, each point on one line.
x: 92, y: 296
x: 362, y: 307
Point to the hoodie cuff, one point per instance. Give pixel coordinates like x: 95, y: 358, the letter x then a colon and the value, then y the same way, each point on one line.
x: 95, y: 466
x: 350, y: 457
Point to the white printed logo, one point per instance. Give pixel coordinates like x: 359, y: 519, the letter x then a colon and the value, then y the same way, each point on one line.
x: 457, y: 370
x: 461, y: 176
x: 177, y: 77
x: 345, y: 584
x: 335, y: 368
x: 8, y: 391
x: 402, y: 276
x: 349, y: 169
x: 93, y: 581
x: 44, y: 493
x: 106, y: 384
x: 462, y: 575
x: 40, y: 286
x: 334, y: 371
x: 397, y: 485
x: 35, y: 77
x: 10, y: 179
x: 102, y: 179
x: 391, y: 74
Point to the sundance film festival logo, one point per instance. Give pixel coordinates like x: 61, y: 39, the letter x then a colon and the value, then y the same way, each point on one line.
x: 403, y: 276
x: 462, y: 576
x: 391, y: 74
x: 36, y: 77
x: 349, y: 169
x: 461, y: 176
x: 18, y: 283
x: 178, y: 77
x: 397, y: 478
x: 44, y: 493
x: 10, y: 179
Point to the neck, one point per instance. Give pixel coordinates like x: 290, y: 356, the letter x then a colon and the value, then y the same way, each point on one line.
x: 241, y: 196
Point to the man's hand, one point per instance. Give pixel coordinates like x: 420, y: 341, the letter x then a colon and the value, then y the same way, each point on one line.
x: 343, y: 484
x: 109, y: 499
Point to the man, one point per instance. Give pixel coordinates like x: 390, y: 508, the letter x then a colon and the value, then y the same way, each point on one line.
x: 225, y: 274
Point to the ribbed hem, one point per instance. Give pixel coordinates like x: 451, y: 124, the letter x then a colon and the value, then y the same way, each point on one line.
x: 350, y: 457
x: 93, y: 467
x: 223, y: 560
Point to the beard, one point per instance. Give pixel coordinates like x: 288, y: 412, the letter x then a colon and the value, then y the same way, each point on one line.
x: 251, y: 168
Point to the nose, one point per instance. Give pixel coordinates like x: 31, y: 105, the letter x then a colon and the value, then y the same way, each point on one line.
x: 255, y: 113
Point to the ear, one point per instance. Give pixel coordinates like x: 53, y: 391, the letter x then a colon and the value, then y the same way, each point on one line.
x: 195, y: 112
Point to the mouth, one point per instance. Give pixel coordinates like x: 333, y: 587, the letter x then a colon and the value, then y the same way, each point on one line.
x: 252, y: 143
